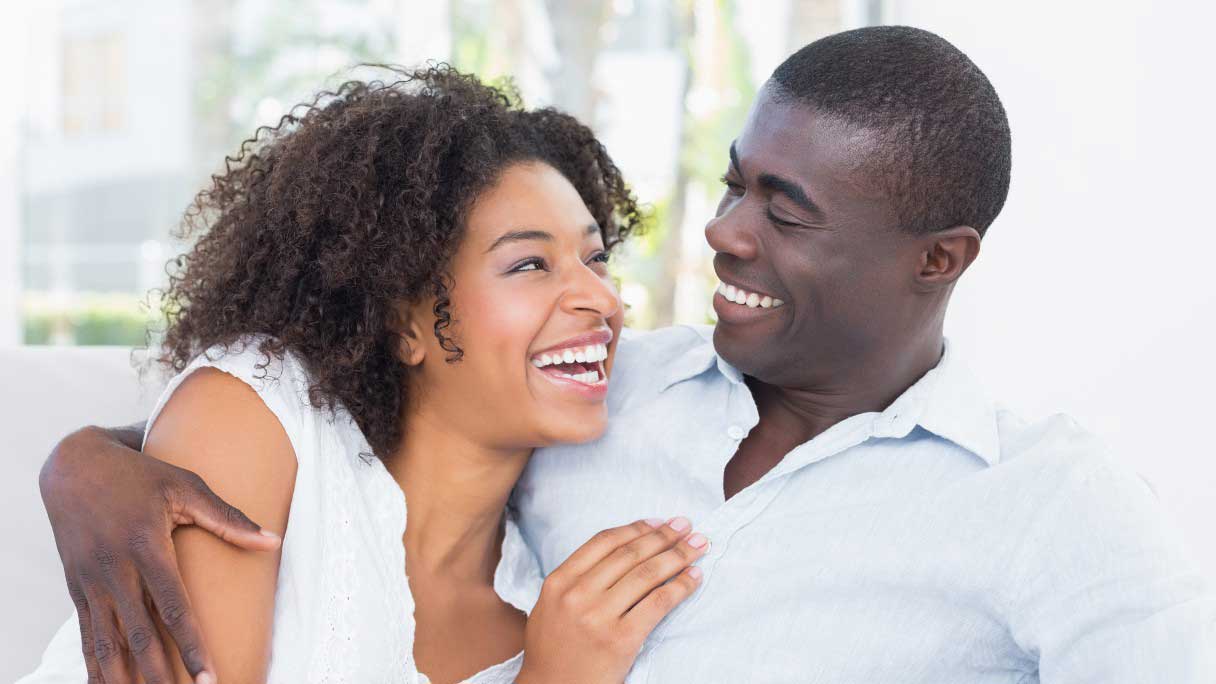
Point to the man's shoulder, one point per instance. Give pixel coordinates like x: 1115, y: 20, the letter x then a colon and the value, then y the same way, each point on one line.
x: 662, y: 344
x: 1066, y: 467
x: 645, y: 360
x: 1056, y: 442
x: 640, y: 354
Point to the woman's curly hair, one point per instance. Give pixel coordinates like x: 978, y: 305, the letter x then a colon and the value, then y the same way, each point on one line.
x: 320, y: 226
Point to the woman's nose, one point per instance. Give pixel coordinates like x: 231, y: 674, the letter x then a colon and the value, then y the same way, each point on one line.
x: 592, y: 293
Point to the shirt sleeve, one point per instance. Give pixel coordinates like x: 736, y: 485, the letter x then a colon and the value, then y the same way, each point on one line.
x: 1107, y: 592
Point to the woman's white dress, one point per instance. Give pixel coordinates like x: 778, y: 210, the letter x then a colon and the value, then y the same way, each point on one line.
x: 343, y: 609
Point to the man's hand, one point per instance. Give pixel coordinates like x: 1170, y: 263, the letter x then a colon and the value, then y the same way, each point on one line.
x: 113, y: 511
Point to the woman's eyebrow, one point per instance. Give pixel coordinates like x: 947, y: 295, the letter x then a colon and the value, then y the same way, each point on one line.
x: 532, y: 234
x: 520, y: 236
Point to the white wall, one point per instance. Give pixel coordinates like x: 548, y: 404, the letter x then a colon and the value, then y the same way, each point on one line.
x: 1095, y: 294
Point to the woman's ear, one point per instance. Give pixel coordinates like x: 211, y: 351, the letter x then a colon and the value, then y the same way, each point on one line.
x: 411, y: 343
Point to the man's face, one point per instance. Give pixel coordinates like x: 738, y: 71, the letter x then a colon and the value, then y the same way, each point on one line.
x: 801, y: 223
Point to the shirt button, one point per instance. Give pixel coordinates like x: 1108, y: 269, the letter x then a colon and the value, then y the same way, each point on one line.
x: 735, y: 432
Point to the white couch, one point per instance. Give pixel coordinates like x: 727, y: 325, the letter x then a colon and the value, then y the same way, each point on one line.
x: 45, y: 392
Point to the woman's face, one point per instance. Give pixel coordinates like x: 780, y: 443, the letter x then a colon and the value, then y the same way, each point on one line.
x: 535, y: 312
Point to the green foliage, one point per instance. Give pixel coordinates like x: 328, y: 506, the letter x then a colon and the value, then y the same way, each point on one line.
x: 93, y: 319
x: 725, y: 72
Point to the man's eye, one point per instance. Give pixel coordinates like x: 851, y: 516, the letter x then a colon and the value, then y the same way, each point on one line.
x: 779, y: 222
x: 731, y: 186
x: 533, y: 264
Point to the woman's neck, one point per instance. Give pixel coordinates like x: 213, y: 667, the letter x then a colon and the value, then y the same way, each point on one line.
x: 456, y: 491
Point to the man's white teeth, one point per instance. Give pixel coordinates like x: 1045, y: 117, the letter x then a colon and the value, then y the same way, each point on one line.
x: 749, y: 299
x: 593, y: 353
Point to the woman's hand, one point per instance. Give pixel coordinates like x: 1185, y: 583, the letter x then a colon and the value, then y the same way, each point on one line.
x: 597, y: 608
x: 113, y: 511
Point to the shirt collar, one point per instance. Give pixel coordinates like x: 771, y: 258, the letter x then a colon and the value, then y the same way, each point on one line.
x: 948, y: 401
x: 696, y: 361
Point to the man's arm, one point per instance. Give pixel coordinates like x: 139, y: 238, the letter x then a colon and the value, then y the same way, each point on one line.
x: 130, y: 436
x: 1107, y: 591
x: 112, y: 510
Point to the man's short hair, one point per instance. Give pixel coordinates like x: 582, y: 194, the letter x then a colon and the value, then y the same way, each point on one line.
x: 938, y: 138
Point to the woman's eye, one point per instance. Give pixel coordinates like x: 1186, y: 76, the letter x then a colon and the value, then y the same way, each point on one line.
x: 600, y: 258
x: 533, y: 264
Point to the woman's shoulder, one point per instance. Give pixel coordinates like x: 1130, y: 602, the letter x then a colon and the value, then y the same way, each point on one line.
x: 277, y: 377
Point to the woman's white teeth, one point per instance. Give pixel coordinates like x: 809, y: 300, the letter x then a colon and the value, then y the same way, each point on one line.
x: 588, y: 378
x: 749, y: 299
x: 593, y: 353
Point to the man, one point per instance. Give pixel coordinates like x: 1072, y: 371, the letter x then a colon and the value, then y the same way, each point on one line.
x: 873, y: 517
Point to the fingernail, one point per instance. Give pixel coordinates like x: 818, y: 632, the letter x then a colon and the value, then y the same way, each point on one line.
x: 266, y: 533
x: 654, y: 522
x: 697, y: 540
x: 204, y: 677
x: 680, y: 524
x: 694, y: 572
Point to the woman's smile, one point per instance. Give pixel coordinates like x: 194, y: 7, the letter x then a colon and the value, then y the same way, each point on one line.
x: 577, y: 365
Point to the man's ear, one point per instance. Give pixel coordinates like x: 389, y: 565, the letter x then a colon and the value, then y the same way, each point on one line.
x: 411, y: 348
x: 946, y: 254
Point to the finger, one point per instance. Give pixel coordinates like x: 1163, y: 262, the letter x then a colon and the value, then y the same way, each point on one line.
x: 108, y: 650
x: 194, y: 503
x: 142, y: 638
x: 164, y: 584
x: 626, y: 557
x: 86, y: 632
x: 645, y: 616
x: 645, y: 577
x: 602, y: 544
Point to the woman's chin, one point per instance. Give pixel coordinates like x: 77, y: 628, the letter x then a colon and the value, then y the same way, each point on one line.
x: 586, y: 427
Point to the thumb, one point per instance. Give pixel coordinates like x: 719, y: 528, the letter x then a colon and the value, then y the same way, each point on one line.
x: 195, y: 504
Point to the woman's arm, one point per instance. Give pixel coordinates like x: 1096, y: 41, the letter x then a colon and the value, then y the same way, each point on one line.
x: 112, y: 509
x: 218, y: 427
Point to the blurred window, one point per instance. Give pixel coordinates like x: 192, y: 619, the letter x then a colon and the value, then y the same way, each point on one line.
x: 94, y: 84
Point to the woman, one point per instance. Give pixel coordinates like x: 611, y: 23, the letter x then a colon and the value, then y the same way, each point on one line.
x: 396, y: 296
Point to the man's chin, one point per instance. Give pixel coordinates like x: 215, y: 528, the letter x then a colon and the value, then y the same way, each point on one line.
x: 738, y: 346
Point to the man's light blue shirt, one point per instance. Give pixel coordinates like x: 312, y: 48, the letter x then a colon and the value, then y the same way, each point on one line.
x: 939, y: 541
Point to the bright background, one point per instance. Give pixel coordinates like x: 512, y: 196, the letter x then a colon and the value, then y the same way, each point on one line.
x: 1094, y: 295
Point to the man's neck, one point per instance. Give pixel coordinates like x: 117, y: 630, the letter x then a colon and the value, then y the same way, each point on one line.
x: 456, y: 492
x: 863, y: 385
x: 793, y: 415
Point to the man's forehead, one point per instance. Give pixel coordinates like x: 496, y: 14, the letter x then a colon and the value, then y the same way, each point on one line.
x: 772, y: 124
x: 792, y: 140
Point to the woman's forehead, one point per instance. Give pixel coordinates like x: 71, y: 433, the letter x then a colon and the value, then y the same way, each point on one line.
x: 528, y: 196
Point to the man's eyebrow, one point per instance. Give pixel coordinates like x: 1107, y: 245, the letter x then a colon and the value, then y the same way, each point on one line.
x: 533, y: 234
x: 791, y: 190
x: 734, y: 159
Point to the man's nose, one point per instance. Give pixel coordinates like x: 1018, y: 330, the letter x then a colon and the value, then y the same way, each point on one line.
x: 733, y: 231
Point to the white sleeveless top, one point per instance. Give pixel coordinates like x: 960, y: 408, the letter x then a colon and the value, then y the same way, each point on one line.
x: 343, y: 610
